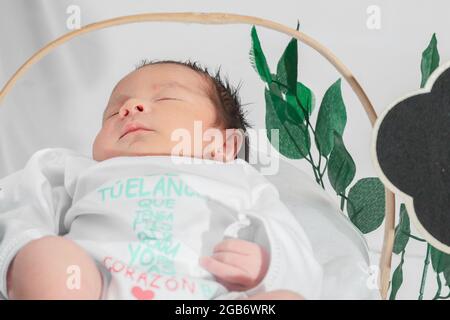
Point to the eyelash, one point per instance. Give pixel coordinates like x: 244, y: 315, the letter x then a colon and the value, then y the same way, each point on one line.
x: 166, y: 99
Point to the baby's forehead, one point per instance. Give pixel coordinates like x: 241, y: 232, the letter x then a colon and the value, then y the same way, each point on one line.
x: 158, y: 76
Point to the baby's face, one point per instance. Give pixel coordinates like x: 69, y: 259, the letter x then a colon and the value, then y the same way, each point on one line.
x: 147, y: 106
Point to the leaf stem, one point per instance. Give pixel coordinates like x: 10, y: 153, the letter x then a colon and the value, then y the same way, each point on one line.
x: 314, y: 170
x: 325, y: 167
x: 424, y: 272
x: 413, y: 237
x: 343, y: 197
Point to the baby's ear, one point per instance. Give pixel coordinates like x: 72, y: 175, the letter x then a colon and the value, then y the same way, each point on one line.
x: 234, y: 140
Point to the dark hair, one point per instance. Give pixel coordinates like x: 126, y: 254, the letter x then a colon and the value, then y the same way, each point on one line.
x: 223, y: 95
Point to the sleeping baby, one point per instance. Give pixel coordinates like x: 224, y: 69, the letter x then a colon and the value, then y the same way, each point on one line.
x: 141, y: 219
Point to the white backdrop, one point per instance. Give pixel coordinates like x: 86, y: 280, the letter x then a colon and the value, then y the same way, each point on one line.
x: 73, y: 83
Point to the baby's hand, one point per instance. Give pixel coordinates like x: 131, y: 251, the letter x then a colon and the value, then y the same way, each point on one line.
x: 237, y: 264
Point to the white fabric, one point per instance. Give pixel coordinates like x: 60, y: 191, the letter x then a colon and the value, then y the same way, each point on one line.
x: 104, y: 207
x: 339, y: 247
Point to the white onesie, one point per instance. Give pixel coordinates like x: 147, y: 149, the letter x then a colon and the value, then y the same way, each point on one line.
x: 147, y: 220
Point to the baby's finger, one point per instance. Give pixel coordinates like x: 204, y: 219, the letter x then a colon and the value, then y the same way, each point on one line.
x: 237, y: 260
x: 236, y: 245
x: 224, y: 271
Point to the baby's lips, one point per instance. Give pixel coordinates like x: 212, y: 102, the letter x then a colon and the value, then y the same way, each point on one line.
x: 133, y: 126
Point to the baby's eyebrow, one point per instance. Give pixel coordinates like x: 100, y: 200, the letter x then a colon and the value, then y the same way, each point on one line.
x: 191, y: 89
x: 174, y: 84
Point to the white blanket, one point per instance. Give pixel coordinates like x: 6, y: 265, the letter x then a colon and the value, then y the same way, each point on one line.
x: 147, y: 220
x: 337, y: 244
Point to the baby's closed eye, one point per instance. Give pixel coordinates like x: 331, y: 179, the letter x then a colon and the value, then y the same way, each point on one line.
x: 113, y: 115
x: 156, y: 100
x: 167, y: 98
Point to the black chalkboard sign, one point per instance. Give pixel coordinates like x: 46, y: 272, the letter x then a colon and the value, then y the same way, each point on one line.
x: 411, y: 149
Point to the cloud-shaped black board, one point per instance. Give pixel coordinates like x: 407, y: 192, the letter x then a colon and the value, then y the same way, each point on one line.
x: 411, y: 149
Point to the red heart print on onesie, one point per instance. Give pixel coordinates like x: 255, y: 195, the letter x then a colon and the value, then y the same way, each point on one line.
x: 142, y: 294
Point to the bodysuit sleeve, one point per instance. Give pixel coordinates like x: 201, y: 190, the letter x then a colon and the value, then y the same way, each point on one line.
x: 32, y: 202
x: 293, y: 265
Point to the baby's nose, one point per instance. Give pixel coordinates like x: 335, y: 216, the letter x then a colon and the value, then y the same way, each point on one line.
x: 133, y: 106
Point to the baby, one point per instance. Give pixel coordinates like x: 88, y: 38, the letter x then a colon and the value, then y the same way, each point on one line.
x: 137, y: 222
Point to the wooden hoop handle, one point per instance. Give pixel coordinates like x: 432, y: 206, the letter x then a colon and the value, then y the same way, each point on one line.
x: 227, y: 18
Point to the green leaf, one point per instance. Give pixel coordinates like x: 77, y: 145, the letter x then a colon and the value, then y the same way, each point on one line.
x: 447, y: 275
x: 294, y: 141
x: 430, y: 60
x: 306, y: 98
x: 402, y: 231
x: 341, y: 167
x: 441, y: 263
x: 295, y: 114
x: 332, y: 117
x: 287, y: 66
x: 279, y: 105
x: 275, y: 87
x: 397, y: 279
x: 257, y: 58
x: 439, y: 260
x: 366, y: 201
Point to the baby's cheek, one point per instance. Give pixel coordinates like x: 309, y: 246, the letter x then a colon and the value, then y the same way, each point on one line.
x: 101, y: 145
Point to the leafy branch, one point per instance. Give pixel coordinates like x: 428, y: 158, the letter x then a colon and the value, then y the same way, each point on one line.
x: 289, y: 106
